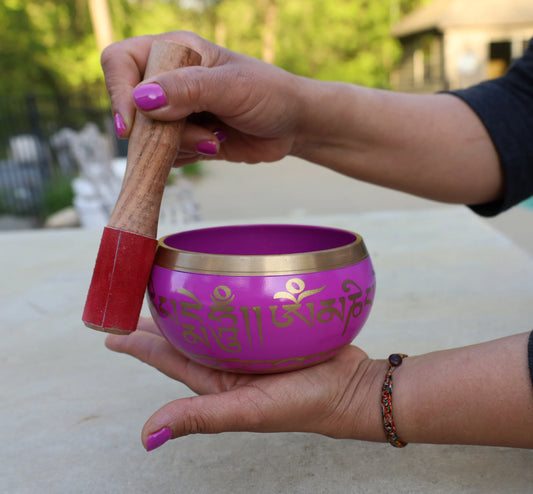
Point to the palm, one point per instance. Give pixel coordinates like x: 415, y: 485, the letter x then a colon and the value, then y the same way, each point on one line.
x: 313, y: 399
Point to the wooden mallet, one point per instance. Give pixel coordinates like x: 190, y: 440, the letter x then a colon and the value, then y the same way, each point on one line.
x: 128, y: 244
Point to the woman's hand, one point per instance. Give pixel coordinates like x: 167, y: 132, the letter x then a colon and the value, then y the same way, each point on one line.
x: 253, y: 104
x: 338, y: 398
x: 479, y: 394
x: 241, y: 109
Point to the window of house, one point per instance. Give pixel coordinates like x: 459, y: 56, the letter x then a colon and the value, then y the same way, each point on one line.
x: 427, y: 61
x: 500, y: 56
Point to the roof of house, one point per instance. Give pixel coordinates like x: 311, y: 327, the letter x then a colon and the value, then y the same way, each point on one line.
x: 442, y: 14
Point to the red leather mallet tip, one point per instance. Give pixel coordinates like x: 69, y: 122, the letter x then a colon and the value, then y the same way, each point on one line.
x: 120, y: 277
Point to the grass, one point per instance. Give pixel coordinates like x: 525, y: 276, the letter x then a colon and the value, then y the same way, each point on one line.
x: 58, y: 194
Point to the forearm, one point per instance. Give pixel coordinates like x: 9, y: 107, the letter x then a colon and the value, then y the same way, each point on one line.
x: 428, y: 145
x: 481, y: 394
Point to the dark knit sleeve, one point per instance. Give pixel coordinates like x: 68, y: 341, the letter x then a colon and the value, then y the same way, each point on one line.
x: 505, y: 106
x: 530, y: 355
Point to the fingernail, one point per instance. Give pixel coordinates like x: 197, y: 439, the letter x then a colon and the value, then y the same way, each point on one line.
x: 158, y: 438
x: 149, y: 96
x: 120, y: 126
x: 221, y: 135
x: 207, y: 147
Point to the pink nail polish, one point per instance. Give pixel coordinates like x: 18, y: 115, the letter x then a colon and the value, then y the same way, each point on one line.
x: 149, y: 96
x: 120, y: 126
x: 158, y: 438
x: 221, y: 135
x: 207, y: 147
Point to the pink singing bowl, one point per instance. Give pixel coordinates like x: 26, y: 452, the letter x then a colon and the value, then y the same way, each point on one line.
x: 261, y: 298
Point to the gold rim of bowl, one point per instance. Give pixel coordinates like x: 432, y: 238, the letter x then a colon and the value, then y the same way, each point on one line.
x: 260, y: 265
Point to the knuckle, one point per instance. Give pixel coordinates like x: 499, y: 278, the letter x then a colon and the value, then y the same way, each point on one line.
x: 194, y: 422
x: 189, y: 90
x: 108, y: 54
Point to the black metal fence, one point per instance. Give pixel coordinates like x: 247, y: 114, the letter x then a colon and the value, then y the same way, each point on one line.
x: 28, y: 160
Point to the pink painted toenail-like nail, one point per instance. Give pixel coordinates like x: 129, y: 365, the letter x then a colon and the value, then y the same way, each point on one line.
x: 149, y: 96
x: 158, y: 438
x: 221, y: 135
x: 120, y: 126
x: 207, y: 147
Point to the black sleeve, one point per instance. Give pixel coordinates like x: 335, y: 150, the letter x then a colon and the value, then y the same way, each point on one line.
x: 530, y: 355
x: 505, y: 106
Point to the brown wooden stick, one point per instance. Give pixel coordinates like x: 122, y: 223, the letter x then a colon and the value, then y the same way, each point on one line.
x: 152, y: 150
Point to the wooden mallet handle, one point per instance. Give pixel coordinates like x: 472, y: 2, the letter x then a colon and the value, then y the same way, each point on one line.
x: 129, y: 241
x: 152, y: 150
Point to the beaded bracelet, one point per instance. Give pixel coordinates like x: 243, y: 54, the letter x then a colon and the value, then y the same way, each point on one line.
x: 395, y: 360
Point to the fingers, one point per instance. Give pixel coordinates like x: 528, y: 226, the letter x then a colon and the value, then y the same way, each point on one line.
x: 244, y: 409
x: 300, y: 401
x: 255, y: 104
x: 147, y: 345
x: 326, y: 399
x: 147, y: 324
x: 309, y: 400
x: 124, y: 64
x: 225, y: 84
x: 199, y: 142
x: 179, y: 93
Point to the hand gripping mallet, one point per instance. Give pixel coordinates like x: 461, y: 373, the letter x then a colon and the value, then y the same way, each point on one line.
x: 128, y: 244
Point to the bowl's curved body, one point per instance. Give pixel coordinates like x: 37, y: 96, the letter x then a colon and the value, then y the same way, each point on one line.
x: 261, y: 298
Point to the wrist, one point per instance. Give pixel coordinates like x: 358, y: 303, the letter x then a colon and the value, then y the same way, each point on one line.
x: 366, y: 421
x: 332, y: 128
x: 479, y: 394
x: 317, y: 119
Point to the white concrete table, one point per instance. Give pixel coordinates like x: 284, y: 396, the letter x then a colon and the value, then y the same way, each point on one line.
x: 71, y: 411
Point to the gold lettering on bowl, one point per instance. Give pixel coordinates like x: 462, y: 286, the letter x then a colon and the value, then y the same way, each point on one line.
x: 296, y: 286
x: 221, y: 322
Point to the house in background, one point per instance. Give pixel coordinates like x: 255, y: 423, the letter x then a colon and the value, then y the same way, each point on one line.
x: 449, y: 44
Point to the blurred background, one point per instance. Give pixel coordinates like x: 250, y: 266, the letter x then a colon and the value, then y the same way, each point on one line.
x: 60, y: 162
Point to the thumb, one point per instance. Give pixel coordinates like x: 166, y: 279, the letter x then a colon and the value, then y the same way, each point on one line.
x: 236, y: 410
x: 178, y: 93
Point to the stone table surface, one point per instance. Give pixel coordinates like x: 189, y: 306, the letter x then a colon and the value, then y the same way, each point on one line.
x: 71, y: 411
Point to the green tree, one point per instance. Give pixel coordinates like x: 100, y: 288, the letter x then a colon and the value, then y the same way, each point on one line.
x: 49, y: 45
x: 346, y: 40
